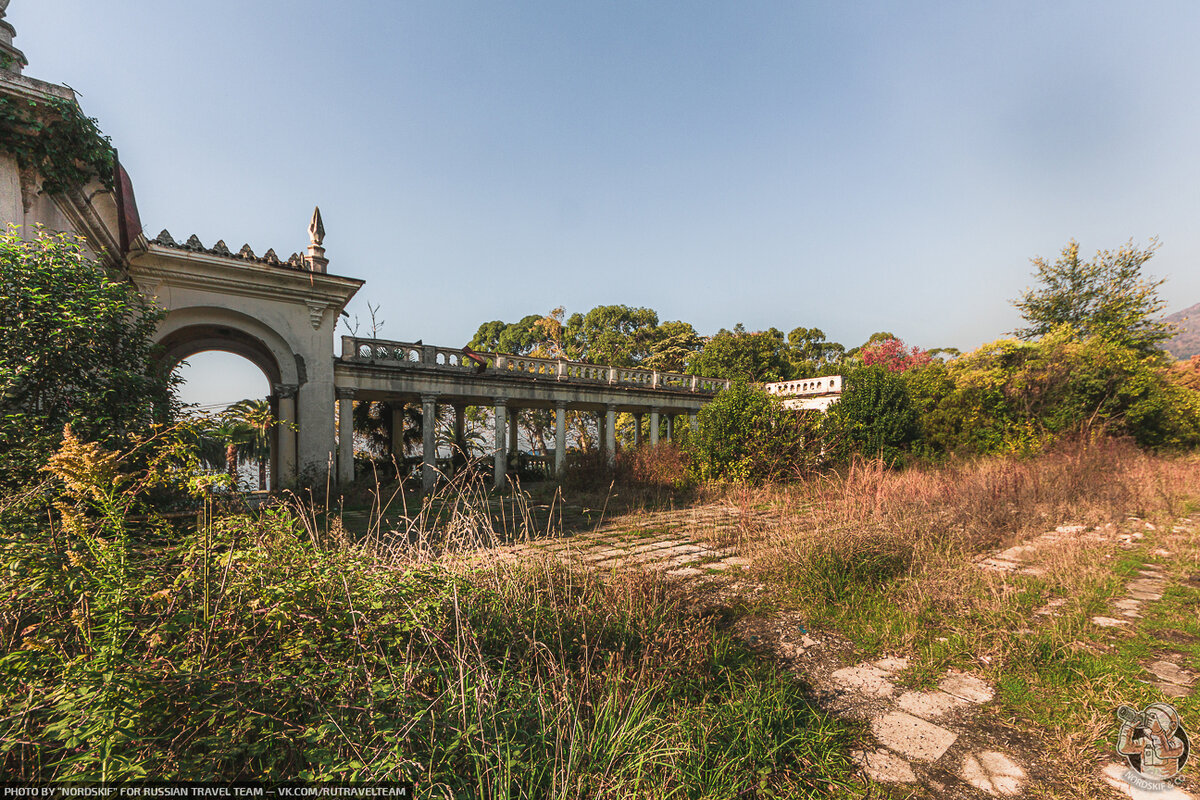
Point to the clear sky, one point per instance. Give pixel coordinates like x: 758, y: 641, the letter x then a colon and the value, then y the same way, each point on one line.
x: 854, y: 166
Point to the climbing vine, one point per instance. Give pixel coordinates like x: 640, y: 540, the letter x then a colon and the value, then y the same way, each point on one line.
x: 55, y: 138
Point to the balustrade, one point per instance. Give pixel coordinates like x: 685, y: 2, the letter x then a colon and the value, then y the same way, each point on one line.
x: 409, y: 354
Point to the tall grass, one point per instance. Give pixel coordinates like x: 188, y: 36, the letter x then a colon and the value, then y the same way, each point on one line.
x: 274, y: 645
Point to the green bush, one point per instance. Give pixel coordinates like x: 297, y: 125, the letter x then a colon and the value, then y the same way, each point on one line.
x: 746, y: 434
x: 76, y: 350
x: 874, y: 416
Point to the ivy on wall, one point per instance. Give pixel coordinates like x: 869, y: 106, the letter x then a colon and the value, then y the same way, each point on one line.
x: 56, y: 139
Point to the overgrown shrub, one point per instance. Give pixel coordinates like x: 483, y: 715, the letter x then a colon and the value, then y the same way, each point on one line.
x: 746, y: 434
x: 874, y: 416
x: 76, y: 350
x: 1019, y: 397
x: 257, y: 647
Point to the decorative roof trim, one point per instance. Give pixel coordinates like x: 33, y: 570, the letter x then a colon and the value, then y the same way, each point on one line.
x: 193, y: 244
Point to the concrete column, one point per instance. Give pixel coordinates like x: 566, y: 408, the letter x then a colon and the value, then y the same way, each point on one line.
x: 397, y: 447
x: 501, y: 455
x: 460, y: 429
x: 654, y: 427
x: 513, y: 416
x: 693, y: 422
x: 285, y: 438
x: 637, y: 430
x: 601, y: 434
x: 610, y: 434
x: 429, y: 441
x: 345, y: 461
x: 670, y: 427
x: 560, y: 436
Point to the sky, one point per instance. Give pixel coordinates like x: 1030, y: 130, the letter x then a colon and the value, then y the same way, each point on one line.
x: 851, y: 166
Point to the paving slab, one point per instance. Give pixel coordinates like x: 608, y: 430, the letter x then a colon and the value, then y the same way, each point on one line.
x: 884, y: 767
x: 1109, y: 622
x: 1051, y: 608
x: 1148, y: 596
x: 966, y: 687
x: 993, y: 773
x: 684, y: 572
x: 1171, y: 673
x: 911, y: 736
x: 864, y: 679
x: 929, y: 705
x: 892, y: 664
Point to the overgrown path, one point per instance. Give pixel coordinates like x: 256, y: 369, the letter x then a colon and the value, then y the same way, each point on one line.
x: 942, y: 726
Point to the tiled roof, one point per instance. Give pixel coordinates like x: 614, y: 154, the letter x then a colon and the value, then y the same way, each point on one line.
x: 295, y: 261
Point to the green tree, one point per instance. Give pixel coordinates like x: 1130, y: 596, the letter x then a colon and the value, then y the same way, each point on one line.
x: 740, y: 355
x: 254, y: 443
x: 77, y: 349
x: 618, y: 335
x: 811, y: 355
x: 1107, y: 296
x: 671, y: 345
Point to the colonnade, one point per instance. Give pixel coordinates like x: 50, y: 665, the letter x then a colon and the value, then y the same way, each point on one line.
x: 505, y: 434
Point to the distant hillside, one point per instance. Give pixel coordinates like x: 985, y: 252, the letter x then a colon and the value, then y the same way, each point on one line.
x: 1187, y: 342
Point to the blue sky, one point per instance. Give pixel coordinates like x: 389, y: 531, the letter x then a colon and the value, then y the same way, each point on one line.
x: 851, y: 166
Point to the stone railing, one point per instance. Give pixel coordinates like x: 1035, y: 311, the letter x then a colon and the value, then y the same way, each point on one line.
x: 411, y: 354
x: 828, y: 384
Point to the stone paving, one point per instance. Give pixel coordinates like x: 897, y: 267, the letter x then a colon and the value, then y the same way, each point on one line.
x: 663, y: 542
x: 937, y: 739
x: 1165, y: 673
x: 917, y: 732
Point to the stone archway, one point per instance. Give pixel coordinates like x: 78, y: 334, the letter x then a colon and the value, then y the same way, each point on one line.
x: 279, y: 316
x: 188, y: 331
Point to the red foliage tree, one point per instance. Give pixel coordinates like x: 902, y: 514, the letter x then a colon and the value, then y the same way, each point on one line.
x: 892, y: 355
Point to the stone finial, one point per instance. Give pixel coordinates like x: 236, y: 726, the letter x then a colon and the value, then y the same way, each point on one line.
x: 316, y: 228
x: 194, y: 243
x: 11, y: 59
x: 270, y: 257
x: 164, y: 238
x: 220, y: 249
x: 246, y: 253
x: 317, y: 262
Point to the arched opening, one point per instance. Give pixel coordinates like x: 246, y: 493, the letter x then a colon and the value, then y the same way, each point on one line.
x: 236, y: 397
x: 227, y: 350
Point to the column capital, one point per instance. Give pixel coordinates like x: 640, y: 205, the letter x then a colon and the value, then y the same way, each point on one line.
x: 500, y: 401
x: 285, y: 390
x: 430, y: 398
x: 560, y: 404
x: 345, y: 392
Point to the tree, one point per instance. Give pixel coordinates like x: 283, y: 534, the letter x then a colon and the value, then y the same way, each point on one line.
x: 76, y: 349
x: 254, y: 443
x: 892, y: 355
x: 743, y: 356
x: 1106, y: 297
x: 617, y: 335
x: 811, y: 355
